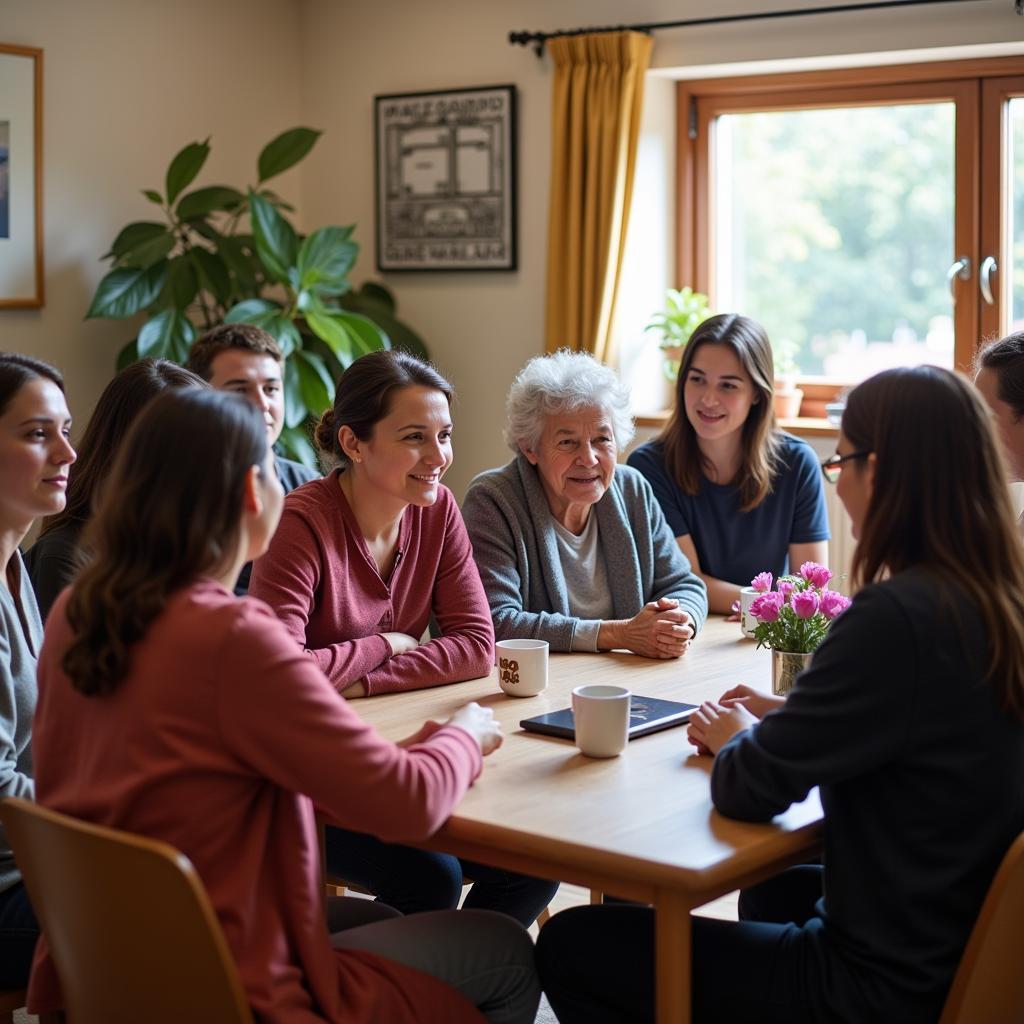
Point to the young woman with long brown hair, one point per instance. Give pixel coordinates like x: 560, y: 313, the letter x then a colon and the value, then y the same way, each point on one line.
x: 54, y: 558
x: 910, y: 719
x: 740, y: 496
x: 35, y: 453
x: 171, y: 708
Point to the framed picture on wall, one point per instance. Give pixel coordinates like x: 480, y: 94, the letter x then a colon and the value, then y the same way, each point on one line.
x: 21, y: 177
x: 446, y: 179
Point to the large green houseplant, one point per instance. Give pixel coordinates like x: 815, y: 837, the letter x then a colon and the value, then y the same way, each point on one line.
x: 222, y: 254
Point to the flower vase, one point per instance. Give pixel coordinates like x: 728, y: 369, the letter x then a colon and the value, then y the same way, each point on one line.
x: 786, y: 666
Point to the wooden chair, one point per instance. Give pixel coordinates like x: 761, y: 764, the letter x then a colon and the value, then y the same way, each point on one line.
x: 128, y: 923
x: 989, y: 984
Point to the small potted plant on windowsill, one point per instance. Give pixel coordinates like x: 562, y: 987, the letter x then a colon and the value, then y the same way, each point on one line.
x: 685, y: 310
x: 787, y: 395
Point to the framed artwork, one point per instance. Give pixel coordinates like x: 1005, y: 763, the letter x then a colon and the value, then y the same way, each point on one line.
x: 446, y: 179
x: 21, y: 177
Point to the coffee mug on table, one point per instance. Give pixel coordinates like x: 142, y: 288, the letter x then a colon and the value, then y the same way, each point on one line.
x: 522, y: 666
x: 601, y: 719
x: 747, y: 621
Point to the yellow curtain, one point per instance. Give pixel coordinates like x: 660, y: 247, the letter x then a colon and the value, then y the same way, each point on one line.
x: 597, y: 99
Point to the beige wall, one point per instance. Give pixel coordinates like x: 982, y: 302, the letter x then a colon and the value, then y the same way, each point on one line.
x: 482, y: 327
x: 127, y: 83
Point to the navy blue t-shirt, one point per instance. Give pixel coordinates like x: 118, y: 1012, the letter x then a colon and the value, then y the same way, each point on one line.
x: 735, y: 546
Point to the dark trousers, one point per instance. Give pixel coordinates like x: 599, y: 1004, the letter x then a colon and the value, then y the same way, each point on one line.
x: 18, y: 933
x: 414, y: 881
x: 597, y: 963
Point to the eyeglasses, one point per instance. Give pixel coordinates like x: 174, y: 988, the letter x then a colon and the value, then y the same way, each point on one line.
x: 832, y: 467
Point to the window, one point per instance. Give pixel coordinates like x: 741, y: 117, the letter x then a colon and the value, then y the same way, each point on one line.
x: 869, y: 217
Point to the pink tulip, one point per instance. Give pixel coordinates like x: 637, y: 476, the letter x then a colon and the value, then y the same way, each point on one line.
x: 815, y: 574
x: 762, y: 582
x: 833, y: 604
x: 767, y: 607
x: 805, y: 604
x: 786, y: 588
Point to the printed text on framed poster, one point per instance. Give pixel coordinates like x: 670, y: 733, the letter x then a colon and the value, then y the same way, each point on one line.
x: 446, y: 182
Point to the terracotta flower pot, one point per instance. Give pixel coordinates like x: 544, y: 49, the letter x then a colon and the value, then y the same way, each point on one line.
x: 787, y: 402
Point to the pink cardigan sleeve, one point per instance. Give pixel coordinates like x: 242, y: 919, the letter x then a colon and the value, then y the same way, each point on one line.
x: 283, y: 719
x: 287, y: 578
x: 465, y: 649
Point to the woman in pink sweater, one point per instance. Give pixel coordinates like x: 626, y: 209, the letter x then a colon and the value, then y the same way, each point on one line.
x: 170, y: 708
x: 362, y: 560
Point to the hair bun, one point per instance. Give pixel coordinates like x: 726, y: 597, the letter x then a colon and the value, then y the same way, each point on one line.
x: 325, y: 435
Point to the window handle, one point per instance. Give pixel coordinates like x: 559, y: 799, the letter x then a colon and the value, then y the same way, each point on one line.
x: 985, y: 271
x: 960, y: 269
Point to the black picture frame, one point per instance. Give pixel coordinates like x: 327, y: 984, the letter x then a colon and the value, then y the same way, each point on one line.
x: 446, y: 180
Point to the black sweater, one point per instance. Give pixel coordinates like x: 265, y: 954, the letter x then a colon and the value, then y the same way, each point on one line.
x: 920, y: 773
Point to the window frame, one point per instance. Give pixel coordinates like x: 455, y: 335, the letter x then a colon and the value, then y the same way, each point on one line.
x: 976, y: 87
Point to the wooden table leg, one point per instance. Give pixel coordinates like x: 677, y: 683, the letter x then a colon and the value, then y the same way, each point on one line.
x: 672, y: 958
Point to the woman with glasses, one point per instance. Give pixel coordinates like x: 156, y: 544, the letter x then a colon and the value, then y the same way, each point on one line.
x: 740, y: 496
x: 910, y: 720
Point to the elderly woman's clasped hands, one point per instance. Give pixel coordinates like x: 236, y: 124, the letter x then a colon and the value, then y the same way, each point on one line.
x: 661, y: 629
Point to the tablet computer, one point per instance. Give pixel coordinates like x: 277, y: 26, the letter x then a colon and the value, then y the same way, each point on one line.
x: 646, y: 714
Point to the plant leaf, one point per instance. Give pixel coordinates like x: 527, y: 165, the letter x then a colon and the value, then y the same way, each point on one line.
x: 296, y: 445
x: 326, y: 257
x: 184, y: 167
x: 276, y: 242
x: 333, y: 332
x: 168, y: 335
x: 153, y: 197
x: 128, y: 355
x: 141, y: 244
x: 295, y: 411
x: 274, y: 198
x: 213, y: 274
x: 315, y: 382
x: 376, y: 292
x: 205, y: 200
x: 367, y: 335
x: 126, y: 291
x: 285, y: 151
x: 234, y: 251
x: 401, y: 334
x: 245, y: 312
x: 182, y: 284
x: 285, y: 333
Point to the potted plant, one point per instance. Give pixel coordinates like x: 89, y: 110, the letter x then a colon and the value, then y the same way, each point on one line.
x: 794, y: 619
x: 222, y: 254
x: 787, y: 395
x: 685, y: 310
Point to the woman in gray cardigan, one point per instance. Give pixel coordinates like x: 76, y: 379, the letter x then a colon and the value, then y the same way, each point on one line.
x: 571, y: 547
x: 35, y: 454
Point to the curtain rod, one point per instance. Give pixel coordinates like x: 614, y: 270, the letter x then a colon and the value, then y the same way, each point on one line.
x: 539, y: 38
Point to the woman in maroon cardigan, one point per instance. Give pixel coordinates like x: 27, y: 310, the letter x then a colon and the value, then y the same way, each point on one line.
x: 171, y: 708
x: 361, y: 561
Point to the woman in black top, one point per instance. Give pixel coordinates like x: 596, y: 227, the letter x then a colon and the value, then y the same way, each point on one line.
x: 54, y: 558
x: 909, y: 719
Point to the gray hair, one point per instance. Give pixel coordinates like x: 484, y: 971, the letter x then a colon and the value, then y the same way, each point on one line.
x: 565, y: 382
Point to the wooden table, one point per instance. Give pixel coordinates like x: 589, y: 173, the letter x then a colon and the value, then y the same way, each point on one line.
x: 640, y: 826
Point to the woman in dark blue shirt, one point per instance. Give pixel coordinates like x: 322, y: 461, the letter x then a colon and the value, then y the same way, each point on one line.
x: 740, y: 496
x: 910, y: 720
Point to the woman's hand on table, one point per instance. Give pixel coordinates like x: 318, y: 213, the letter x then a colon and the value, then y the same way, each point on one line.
x: 712, y: 725
x: 401, y: 643
x: 757, y: 702
x: 481, y: 724
x: 661, y: 629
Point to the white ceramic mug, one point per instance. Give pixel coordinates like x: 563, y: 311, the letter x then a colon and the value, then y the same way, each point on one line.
x: 601, y: 718
x: 522, y: 667
x: 747, y: 621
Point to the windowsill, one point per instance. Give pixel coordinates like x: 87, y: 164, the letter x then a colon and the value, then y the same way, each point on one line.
x: 802, y: 426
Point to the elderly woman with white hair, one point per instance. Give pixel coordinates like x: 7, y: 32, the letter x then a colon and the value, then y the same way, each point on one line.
x: 571, y: 547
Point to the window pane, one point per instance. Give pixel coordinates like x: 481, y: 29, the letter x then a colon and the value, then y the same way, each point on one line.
x: 1015, y: 248
x: 834, y: 228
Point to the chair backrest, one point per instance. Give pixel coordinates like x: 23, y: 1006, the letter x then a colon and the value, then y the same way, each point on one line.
x: 989, y: 983
x: 129, y: 926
